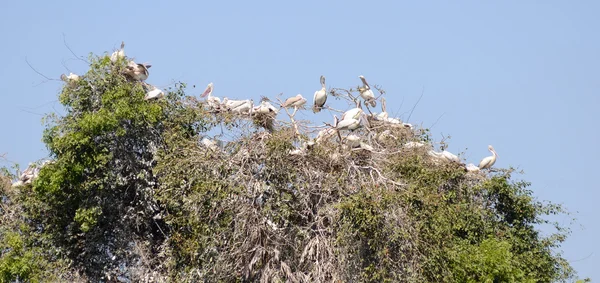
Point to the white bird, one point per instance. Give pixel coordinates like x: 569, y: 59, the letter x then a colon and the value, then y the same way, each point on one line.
x: 70, y: 78
x: 353, y: 113
x: 297, y: 101
x: 138, y: 72
x: 210, y: 144
x: 487, y: 162
x: 154, y: 93
x: 213, y: 101
x: 346, y: 124
x: 383, y: 116
x: 245, y: 107
x: 353, y: 141
x: 324, y: 134
x: 413, y: 144
x: 119, y: 53
x: 320, y: 97
x: 471, y: 167
x: 445, y: 155
x: 265, y: 107
x: 366, y: 93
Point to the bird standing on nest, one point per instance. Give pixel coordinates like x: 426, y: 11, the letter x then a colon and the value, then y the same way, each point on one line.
x: 366, y: 93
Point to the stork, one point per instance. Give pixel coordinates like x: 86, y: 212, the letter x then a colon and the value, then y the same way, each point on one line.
x: 366, y: 93
x: 213, y: 101
x: 487, y: 162
x: 320, y: 97
x: 297, y: 101
x: 119, y: 53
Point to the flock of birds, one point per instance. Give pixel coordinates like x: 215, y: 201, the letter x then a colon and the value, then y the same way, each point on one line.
x: 350, y: 120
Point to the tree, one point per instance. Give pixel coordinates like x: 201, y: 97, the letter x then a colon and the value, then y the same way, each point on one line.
x: 132, y: 194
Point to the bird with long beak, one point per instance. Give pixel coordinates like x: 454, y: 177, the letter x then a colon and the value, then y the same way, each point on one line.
x: 153, y: 93
x: 297, y: 101
x: 265, y: 107
x: 138, y: 72
x: 366, y: 93
x: 320, y: 97
x: 119, y: 53
x: 353, y: 113
x: 244, y: 107
x: 213, y: 101
x: 346, y: 124
x: 487, y: 162
x: 71, y: 78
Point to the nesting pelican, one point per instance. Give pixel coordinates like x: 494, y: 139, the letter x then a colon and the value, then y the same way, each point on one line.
x: 119, y: 53
x: 296, y: 101
x: 153, y: 93
x: 487, y: 162
x: 239, y: 106
x: 346, y: 124
x: 324, y: 134
x: 138, y: 72
x: 70, y: 78
x: 213, y: 101
x: 265, y: 107
x: 383, y: 116
x: 471, y: 167
x: 445, y: 155
x: 352, y: 141
x: 353, y: 113
x: 320, y: 97
x: 366, y: 93
x: 264, y: 114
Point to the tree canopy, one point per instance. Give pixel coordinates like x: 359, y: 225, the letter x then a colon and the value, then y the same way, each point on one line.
x: 132, y: 195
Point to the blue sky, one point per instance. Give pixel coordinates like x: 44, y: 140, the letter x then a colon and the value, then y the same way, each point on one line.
x: 523, y: 76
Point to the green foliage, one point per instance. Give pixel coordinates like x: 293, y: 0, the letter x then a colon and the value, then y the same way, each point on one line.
x: 131, y: 193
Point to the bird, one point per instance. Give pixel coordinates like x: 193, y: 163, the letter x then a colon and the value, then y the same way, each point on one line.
x: 138, y: 72
x: 119, y: 53
x: 366, y: 93
x: 70, y: 78
x: 383, y: 116
x: 487, y: 162
x: 353, y: 113
x: 153, y: 93
x: 471, y: 167
x: 446, y: 155
x: 296, y: 101
x: 413, y: 144
x: 213, y: 101
x: 244, y: 107
x: 324, y: 134
x: 265, y: 107
x: 209, y: 143
x: 346, y: 124
x: 320, y: 97
x: 353, y: 141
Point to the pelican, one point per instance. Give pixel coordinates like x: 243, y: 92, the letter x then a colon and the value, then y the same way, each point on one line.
x: 138, y: 72
x: 119, y: 53
x: 450, y: 156
x: 353, y: 141
x: 242, y: 106
x: 353, y: 113
x: 324, y: 134
x: 265, y: 107
x: 471, y: 167
x: 213, y: 101
x: 383, y: 116
x: 296, y: 101
x: 154, y: 93
x: 70, y: 78
x: 366, y: 93
x: 320, y: 97
x: 413, y: 144
x: 346, y: 124
x: 210, y: 144
x: 487, y: 162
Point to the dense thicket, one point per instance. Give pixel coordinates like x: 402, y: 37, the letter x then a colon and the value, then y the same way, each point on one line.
x: 133, y: 196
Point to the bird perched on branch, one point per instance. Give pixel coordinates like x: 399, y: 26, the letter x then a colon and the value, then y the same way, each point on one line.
x: 366, y: 93
x: 353, y: 113
x: 487, y: 162
x: 297, y: 101
x: 138, y: 72
x: 70, y: 78
x: 119, y: 53
x: 153, y: 92
x: 213, y: 101
x: 320, y: 97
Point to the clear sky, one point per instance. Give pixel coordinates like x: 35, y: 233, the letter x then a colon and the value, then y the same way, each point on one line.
x: 523, y: 76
